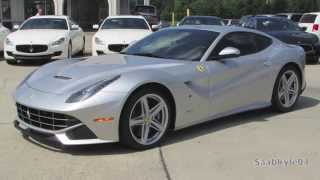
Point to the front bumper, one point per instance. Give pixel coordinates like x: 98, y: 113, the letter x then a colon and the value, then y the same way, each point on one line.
x: 53, y: 52
x: 65, y: 138
x: 100, y: 106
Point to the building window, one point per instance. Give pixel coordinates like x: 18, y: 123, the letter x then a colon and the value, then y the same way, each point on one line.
x: 38, y: 7
x: 6, y: 10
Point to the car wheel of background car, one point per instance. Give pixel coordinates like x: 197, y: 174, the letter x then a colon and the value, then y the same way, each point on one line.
x: 145, y: 119
x: 287, y: 89
x: 12, y: 61
x: 70, y: 50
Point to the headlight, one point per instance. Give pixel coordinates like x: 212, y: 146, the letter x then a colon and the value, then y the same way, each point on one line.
x: 99, y: 41
x: 58, y: 42
x: 9, y: 42
x: 88, y: 92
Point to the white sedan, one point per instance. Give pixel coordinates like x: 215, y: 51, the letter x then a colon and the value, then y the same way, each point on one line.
x: 3, y: 34
x: 44, y: 37
x: 118, y: 32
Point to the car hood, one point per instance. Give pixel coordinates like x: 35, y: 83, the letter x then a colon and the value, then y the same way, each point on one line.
x: 122, y: 36
x: 67, y: 76
x: 295, y: 37
x: 38, y: 36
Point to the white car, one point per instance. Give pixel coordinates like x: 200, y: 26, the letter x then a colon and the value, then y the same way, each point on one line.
x: 3, y: 34
x: 44, y: 37
x: 310, y: 22
x: 118, y: 32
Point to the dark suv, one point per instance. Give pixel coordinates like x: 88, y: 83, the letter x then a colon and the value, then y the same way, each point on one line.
x: 288, y: 32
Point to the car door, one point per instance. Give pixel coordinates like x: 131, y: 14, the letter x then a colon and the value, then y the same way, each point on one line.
x: 239, y: 82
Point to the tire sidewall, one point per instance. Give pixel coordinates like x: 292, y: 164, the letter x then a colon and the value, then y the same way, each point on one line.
x: 124, y: 129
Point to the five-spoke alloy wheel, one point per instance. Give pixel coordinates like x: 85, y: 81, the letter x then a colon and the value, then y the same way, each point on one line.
x: 287, y: 89
x: 145, y: 119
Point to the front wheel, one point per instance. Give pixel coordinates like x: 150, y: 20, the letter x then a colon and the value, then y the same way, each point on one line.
x: 287, y: 89
x: 145, y: 119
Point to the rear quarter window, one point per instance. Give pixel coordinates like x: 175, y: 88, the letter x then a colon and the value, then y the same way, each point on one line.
x: 262, y: 42
x: 308, y: 18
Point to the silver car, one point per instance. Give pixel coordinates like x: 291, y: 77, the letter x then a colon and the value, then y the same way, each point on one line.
x: 170, y: 80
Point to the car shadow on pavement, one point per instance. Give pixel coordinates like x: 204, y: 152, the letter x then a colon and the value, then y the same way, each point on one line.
x: 182, y: 135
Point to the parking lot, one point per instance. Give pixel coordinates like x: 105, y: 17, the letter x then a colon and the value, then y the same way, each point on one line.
x: 246, y: 146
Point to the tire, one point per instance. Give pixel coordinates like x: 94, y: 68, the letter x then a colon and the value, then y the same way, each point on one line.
x: 155, y: 127
x: 285, y: 95
x: 70, y: 51
x: 12, y: 61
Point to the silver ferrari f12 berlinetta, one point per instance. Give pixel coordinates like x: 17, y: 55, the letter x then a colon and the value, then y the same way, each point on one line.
x: 172, y: 79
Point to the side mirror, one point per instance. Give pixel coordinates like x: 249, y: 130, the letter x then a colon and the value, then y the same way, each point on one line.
x: 178, y: 23
x: 16, y: 27
x: 155, y: 27
x: 95, y: 26
x: 75, y: 27
x: 229, y: 52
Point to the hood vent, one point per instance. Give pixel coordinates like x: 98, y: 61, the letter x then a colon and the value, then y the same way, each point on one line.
x: 62, y: 77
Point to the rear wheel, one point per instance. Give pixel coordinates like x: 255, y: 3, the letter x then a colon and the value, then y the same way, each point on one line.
x: 287, y: 89
x: 145, y: 119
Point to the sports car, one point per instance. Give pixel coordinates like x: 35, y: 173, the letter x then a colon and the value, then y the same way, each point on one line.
x: 44, y: 37
x: 172, y: 79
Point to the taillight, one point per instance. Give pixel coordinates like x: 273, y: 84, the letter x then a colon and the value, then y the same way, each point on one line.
x: 315, y: 27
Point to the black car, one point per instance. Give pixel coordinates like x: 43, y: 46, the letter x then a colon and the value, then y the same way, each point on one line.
x: 201, y: 20
x: 287, y: 31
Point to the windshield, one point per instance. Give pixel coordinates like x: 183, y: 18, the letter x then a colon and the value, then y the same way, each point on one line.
x: 276, y: 25
x: 125, y: 23
x: 178, y: 44
x: 45, y: 23
x: 201, y: 21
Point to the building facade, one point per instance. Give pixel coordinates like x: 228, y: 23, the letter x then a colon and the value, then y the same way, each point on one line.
x: 85, y: 12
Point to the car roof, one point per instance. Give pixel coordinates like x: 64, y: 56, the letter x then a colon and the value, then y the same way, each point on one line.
x: 126, y: 16
x: 49, y: 16
x: 203, y: 17
x: 314, y: 13
x: 289, y: 14
x: 214, y: 28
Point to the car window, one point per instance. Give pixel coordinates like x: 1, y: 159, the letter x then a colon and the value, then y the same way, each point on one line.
x: 247, y: 43
x: 45, y: 23
x: 296, y: 18
x: 261, y: 42
x: 125, y: 23
x: 177, y: 44
x: 308, y: 18
x: 273, y: 24
x: 201, y: 21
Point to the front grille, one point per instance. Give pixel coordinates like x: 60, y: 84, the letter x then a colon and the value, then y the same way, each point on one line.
x: 117, y: 47
x: 307, y: 48
x: 44, y: 119
x: 32, y: 48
